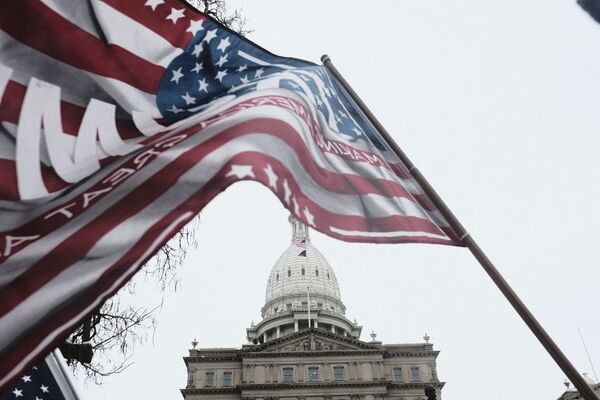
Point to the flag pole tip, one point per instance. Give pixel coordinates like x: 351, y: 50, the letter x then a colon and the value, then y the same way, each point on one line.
x: 324, y: 58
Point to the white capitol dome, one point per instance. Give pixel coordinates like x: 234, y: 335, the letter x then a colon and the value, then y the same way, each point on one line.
x: 299, y: 269
x: 302, y: 292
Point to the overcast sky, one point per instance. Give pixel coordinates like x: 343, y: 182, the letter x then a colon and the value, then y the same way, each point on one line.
x: 498, y: 104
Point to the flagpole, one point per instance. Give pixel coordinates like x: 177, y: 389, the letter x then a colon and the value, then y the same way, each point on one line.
x: 65, y: 374
x: 563, y: 362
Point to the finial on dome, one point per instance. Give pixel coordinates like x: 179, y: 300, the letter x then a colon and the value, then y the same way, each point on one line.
x: 299, y: 230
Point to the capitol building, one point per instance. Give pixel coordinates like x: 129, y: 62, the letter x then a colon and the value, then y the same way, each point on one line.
x: 305, y: 348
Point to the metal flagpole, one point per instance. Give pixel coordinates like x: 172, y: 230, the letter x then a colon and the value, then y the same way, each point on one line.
x: 62, y: 378
x: 563, y: 362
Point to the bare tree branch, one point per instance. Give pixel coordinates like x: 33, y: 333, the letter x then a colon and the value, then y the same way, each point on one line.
x: 218, y: 9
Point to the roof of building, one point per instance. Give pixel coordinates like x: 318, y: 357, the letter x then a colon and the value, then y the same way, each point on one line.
x: 301, y: 266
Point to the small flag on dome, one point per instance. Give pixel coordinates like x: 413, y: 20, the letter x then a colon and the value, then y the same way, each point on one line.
x: 160, y: 109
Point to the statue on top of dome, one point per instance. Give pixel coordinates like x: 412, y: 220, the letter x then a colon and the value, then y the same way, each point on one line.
x: 299, y: 230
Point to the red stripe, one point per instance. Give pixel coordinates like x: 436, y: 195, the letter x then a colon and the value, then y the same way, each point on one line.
x: 174, y: 33
x: 68, y: 43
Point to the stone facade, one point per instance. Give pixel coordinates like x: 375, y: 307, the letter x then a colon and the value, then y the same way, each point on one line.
x: 306, y: 349
x: 572, y: 394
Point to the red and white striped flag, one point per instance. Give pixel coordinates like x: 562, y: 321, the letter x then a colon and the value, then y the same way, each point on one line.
x: 121, y: 119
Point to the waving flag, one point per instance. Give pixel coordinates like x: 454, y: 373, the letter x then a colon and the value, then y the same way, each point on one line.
x: 121, y: 119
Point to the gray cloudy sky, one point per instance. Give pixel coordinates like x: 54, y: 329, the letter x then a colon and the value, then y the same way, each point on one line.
x: 498, y: 104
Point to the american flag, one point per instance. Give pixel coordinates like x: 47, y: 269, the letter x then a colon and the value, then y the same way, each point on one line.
x: 149, y: 109
x: 45, y: 381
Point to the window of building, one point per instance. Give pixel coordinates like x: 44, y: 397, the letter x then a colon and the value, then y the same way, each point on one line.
x: 304, y: 304
x: 397, y: 374
x: 415, y: 374
x: 320, y: 305
x: 210, y: 379
x: 303, y: 272
x: 289, y: 273
x: 277, y: 277
x: 313, y: 373
x: 316, y: 272
x: 328, y: 275
x: 288, y: 306
x: 276, y: 309
x: 339, y: 374
x: 227, y: 378
x: 288, y: 374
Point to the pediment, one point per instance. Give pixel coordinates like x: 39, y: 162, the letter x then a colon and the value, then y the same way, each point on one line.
x: 314, y: 340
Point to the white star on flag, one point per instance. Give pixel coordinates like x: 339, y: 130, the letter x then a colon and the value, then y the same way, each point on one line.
x: 188, y: 99
x: 241, y: 171
x: 259, y: 73
x: 242, y: 68
x: 26, y: 378
x: 174, y: 109
x: 176, y: 75
x: 203, y: 85
x: 210, y: 35
x: 44, y: 389
x: 271, y: 176
x: 223, y: 44
x: 197, y: 68
x: 154, y: 3
x: 17, y: 393
x: 244, y: 79
x: 175, y: 14
x: 310, y: 219
x: 286, y: 192
x: 222, y: 60
x: 197, y: 49
x: 194, y: 27
x: 221, y: 75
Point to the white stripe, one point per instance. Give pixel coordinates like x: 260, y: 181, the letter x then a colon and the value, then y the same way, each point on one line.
x: 258, y: 61
x: 118, y: 29
x: 17, y: 369
x: 391, y: 234
x: 135, y: 37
